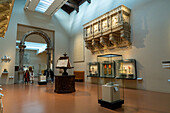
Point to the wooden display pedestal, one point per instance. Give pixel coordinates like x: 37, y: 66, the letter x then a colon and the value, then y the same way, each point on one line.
x: 65, y: 84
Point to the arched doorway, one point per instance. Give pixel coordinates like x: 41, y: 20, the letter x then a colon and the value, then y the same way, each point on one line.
x: 22, y: 46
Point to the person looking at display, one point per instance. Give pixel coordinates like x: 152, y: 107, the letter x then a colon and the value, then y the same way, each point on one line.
x: 52, y: 76
x: 26, y: 77
x: 46, y: 73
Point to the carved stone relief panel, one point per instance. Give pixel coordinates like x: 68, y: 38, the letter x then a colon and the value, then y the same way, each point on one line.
x: 111, y: 30
x: 104, y: 25
x: 114, y: 40
x: 103, y: 41
x: 126, y: 19
x: 88, y: 31
x: 89, y: 46
x: 115, y: 20
x: 96, y: 28
x: 96, y: 44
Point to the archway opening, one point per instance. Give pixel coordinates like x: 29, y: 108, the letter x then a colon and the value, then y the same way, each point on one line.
x: 35, y: 49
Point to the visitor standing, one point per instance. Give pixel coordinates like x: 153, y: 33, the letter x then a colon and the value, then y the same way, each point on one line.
x: 31, y: 74
x: 52, y: 76
x: 26, y: 77
x: 32, y: 77
x: 46, y: 73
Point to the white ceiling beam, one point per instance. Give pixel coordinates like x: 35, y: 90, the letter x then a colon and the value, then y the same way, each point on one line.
x: 55, y: 6
x: 31, y: 4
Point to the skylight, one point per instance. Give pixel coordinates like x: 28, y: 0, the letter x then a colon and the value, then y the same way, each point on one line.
x: 43, y: 5
x: 34, y: 46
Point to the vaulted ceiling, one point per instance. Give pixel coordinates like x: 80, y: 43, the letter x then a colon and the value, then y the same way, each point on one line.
x: 50, y: 7
x: 5, y: 14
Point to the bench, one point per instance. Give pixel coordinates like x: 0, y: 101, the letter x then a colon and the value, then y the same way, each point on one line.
x: 79, y: 76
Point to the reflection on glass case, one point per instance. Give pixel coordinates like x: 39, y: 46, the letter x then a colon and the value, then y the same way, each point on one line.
x: 94, y: 69
x: 110, y: 94
x: 107, y: 64
x: 126, y: 69
x: 108, y: 69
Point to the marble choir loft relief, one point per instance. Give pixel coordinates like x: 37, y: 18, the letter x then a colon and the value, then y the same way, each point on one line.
x: 6, y: 7
x: 109, y: 31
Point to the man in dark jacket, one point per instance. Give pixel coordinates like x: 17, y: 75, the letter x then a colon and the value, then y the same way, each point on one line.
x: 52, y: 76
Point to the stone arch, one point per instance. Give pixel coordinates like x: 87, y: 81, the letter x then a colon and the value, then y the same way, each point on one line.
x: 22, y: 46
x: 41, y: 33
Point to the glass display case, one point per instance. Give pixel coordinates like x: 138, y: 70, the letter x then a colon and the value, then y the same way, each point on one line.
x: 108, y: 69
x: 126, y: 69
x: 94, y: 69
x: 110, y: 90
x: 107, y: 64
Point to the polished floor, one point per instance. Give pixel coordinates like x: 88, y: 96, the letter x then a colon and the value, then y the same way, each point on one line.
x: 36, y: 98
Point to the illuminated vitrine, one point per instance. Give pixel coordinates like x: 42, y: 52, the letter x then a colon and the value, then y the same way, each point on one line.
x: 107, y: 64
x: 94, y: 69
x: 110, y: 91
x: 108, y: 69
x: 126, y: 69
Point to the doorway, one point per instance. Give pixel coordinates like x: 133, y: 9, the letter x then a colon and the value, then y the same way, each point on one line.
x: 36, y: 53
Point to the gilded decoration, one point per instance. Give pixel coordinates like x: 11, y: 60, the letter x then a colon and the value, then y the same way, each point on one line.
x: 6, y: 7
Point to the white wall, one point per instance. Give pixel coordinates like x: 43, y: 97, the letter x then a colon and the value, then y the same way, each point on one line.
x: 150, y: 34
x: 34, y: 60
x: 150, y: 37
x: 19, y: 16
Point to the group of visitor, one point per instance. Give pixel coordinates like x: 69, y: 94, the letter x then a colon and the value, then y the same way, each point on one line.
x: 29, y: 76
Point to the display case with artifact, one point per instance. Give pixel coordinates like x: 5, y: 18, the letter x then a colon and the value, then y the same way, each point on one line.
x: 108, y: 69
x: 110, y: 94
x: 94, y: 69
x: 126, y: 69
x: 5, y: 72
x: 107, y: 64
x: 42, y: 80
x: 166, y: 65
